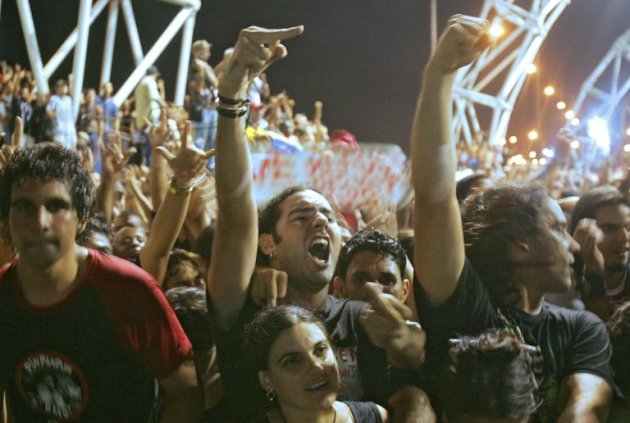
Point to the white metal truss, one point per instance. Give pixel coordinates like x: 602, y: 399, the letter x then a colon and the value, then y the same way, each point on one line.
x: 495, y: 79
x: 603, y: 91
x: 78, y: 38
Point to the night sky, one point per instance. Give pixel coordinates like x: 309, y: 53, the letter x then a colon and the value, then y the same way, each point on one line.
x: 362, y: 58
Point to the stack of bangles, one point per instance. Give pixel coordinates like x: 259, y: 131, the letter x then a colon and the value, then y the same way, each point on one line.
x: 232, y: 109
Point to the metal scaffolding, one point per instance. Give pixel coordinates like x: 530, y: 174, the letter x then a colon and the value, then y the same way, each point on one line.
x: 603, y: 91
x: 79, y: 36
x: 494, y: 81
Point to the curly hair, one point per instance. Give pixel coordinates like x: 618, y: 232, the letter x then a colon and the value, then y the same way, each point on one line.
x: 46, y: 162
x: 375, y: 241
x: 489, y: 376
x: 493, y: 220
x: 619, y: 330
x: 191, y: 308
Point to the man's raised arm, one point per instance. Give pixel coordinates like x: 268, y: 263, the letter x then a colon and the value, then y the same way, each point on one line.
x: 439, y: 252
x: 236, y: 241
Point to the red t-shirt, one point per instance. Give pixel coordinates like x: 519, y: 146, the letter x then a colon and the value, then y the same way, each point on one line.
x: 92, y: 356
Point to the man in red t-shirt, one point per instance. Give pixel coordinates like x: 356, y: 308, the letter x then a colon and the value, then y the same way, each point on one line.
x: 83, y: 334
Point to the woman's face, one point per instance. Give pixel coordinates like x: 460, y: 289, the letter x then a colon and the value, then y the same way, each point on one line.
x: 184, y: 274
x: 302, y: 368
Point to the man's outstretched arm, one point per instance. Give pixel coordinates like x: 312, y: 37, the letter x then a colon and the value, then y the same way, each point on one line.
x: 236, y: 241
x: 439, y: 245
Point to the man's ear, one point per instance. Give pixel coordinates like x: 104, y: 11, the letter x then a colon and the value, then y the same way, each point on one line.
x: 265, y: 381
x: 266, y: 244
x: 81, y: 227
x: 338, y: 287
x: 405, y: 289
x: 520, y: 251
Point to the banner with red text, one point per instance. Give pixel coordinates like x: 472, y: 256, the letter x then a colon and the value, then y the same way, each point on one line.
x: 379, y: 172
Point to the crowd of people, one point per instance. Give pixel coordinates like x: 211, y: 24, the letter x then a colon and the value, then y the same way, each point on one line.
x: 140, y: 281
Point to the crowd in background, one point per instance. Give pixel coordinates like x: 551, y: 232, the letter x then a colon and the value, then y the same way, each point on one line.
x: 161, y: 204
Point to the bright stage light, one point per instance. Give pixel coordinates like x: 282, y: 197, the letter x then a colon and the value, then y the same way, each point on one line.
x: 575, y: 144
x: 569, y: 114
x: 598, y: 130
x: 549, y: 90
x: 628, y: 132
x: 535, y: 162
x: 532, y: 154
x: 626, y: 148
x: 542, y: 161
x: 532, y: 135
x: 496, y: 30
x: 547, y: 152
x: 502, y: 141
x: 531, y: 69
x: 561, y: 105
x: 575, y: 121
x: 513, y: 139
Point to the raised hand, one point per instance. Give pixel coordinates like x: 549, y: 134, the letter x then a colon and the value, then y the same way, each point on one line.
x: 113, y: 158
x: 16, y: 138
x: 256, y: 48
x: 461, y: 43
x: 385, y: 319
x: 268, y: 286
x: 190, y: 161
x: 159, y: 135
x: 386, y: 323
x: 589, y: 235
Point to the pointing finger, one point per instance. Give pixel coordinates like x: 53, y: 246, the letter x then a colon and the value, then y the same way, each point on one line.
x: 266, y: 36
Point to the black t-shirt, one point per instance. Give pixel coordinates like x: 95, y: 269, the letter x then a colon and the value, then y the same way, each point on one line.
x: 571, y: 341
x: 365, y: 372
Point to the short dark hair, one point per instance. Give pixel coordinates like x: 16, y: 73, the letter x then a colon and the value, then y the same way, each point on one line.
x: 493, y: 220
x: 619, y: 330
x: 489, y: 375
x: 45, y: 162
x: 263, y: 331
x: 463, y: 187
x: 269, y: 214
x: 177, y: 256
x: 592, y: 200
x: 373, y: 240
x: 191, y: 309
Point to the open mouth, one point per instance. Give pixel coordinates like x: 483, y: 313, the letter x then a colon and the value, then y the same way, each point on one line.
x: 319, y: 250
x: 319, y: 386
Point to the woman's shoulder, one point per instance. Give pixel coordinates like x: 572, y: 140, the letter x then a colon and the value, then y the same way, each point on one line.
x: 364, y: 411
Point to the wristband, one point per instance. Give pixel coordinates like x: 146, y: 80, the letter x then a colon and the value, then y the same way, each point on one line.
x: 231, y: 101
x: 175, y: 189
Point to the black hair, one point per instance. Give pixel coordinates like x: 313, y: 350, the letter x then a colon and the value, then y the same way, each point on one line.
x: 490, y: 376
x: 46, y: 162
x: 373, y: 240
x: 493, y: 220
x: 269, y: 214
x: 593, y: 200
x: 191, y: 309
x: 263, y: 331
x: 465, y: 185
x: 619, y: 330
x: 178, y: 256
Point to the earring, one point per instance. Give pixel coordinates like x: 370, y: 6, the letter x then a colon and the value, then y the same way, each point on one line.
x: 271, y: 395
x: 272, y: 255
